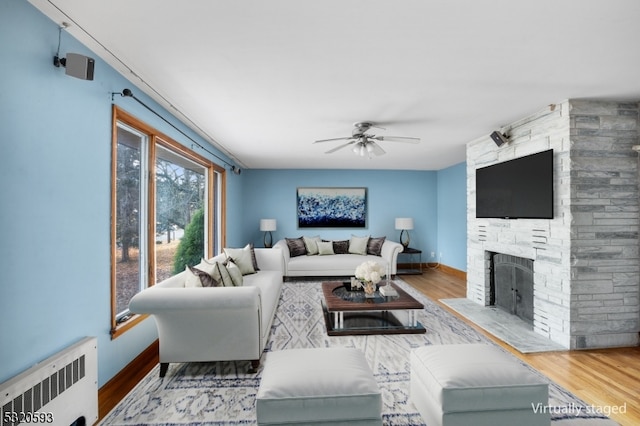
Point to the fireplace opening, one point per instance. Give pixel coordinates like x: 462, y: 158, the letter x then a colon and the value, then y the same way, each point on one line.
x: 511, y: 285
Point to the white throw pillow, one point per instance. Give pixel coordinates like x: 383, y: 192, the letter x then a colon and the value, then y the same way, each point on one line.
x: 207, y: 267
x: 358, y: 245
x: 325, y: 248
x: 311, y: 244
x: 196, y: 277
x: 234, y: 272
x: 219, y: 272
x: 242, y: 258
x: 192, y: 280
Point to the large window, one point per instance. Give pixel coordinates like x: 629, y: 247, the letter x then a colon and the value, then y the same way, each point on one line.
x: 180, y: 211
x: 166, y: 211
x: 132, y: 147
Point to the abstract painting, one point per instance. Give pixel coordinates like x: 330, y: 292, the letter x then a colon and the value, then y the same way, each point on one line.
x: 332, y: 207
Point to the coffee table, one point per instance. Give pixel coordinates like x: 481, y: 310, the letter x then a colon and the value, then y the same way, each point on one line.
x: 349, y: 312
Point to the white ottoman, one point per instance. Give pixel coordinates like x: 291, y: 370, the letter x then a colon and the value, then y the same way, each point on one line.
x: 318, y: 386
x: 461, y: 385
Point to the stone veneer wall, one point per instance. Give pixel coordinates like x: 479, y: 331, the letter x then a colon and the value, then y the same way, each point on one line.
x: 586, y: 262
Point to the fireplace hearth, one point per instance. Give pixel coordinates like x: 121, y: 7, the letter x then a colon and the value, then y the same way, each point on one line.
x: 512, y: 285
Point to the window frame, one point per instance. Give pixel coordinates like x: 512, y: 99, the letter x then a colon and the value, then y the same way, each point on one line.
x: 216, y: 194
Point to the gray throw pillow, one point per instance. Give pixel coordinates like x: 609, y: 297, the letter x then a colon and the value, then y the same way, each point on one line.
x: 374, y: 246
x: 341, y: 247
x: 253, y: 257
x: 296, y: 247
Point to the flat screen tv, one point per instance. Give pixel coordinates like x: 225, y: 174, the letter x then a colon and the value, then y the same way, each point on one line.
x: 516, y: 189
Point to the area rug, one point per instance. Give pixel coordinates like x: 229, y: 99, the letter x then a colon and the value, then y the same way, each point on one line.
x: 223, y: 393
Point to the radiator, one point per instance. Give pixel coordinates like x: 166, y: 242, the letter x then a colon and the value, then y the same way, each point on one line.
x: 61, y: 390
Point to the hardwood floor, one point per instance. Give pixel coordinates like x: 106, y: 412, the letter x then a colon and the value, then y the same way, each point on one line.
x: 607, y: 378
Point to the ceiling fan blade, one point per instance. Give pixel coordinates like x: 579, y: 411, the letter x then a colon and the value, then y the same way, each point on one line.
x: 335, y: 139
x: 377, y: 150
x: 339, y: 147
x: 405, y: 139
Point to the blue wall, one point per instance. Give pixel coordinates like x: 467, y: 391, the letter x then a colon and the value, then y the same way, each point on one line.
x: 435, y: 200
x: 391, y: 194
x: 452, y: 216
x: 55, y: 132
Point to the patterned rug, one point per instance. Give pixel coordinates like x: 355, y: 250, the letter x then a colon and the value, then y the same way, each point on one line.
x: 222, y: 393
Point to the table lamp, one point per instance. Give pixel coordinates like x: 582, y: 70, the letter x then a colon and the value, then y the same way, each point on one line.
x: 266, y: 226
x: 404, y: 224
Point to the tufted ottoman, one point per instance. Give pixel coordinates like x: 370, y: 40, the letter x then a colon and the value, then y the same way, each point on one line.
x: 474, y: 384
x: 318, y: 386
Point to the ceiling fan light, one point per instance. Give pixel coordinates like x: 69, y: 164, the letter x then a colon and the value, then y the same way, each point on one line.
x: 364, y: 144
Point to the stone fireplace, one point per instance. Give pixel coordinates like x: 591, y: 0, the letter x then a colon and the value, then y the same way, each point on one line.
x: 585, y: 266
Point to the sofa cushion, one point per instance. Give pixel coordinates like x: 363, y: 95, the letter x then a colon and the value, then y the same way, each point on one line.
x: 311, y: 244
x: 358, y: 245
x: 341, y: 247
x: 296, y: 246
x: 343, y: 263
x: 374, y: 246
x: 242, y: 257
x: 325, y: 248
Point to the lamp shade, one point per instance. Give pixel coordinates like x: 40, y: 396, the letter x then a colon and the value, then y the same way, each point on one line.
x: 267, y: 225
x: 404, y: 223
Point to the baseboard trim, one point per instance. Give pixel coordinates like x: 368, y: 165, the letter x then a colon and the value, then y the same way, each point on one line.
x: 448, y: 270
x: 444, y: 268
x: 121, y: 384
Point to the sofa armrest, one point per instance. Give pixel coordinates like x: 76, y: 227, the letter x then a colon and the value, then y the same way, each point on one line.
x: 389, y: 252
x: 205, y: 324
x: 158, y: 300
x: 270, y: 259
x: 286, y: 256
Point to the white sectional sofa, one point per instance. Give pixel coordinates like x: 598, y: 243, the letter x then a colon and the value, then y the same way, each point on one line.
x: 313, y: 263
x: 200, y: 324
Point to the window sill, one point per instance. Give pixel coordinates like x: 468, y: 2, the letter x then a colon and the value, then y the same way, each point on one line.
x: 121, y: 328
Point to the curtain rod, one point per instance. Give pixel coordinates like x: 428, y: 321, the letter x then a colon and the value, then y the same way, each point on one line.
x: 127, y: 93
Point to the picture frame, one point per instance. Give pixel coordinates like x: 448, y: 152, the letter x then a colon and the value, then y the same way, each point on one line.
x: 331, y: 207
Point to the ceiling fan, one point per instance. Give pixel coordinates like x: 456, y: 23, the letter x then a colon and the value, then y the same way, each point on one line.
x: 364, y: 143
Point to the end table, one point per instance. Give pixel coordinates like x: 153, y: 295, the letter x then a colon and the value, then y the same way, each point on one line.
x: 414, y: 268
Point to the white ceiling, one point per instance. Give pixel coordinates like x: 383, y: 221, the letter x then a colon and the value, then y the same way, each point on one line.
x: 263, y: 79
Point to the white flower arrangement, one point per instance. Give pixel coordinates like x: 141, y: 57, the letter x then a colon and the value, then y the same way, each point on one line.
x: 370, y: 271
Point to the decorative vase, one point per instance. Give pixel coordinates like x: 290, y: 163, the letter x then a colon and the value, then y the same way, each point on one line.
x: 369, y: 289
